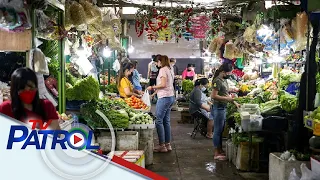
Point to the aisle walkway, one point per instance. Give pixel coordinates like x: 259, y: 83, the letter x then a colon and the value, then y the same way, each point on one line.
x: 191, y: 159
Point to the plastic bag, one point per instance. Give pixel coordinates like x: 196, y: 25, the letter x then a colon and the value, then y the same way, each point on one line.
x: 293, y: 175
x: 146, y: 98
x: 249, y: 34
x: 89, y: 10
x: 229, y: 51
x: 213, y: 45
x: 68, y: 20
x: 300, y: 25
x: 317, y: 100
x: 306, y: 173
x: 39, y: 62
x: 77, y: 14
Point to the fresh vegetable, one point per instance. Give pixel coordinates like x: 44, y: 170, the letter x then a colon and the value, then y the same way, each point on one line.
x: 187, y: 86
x: 136, y: 103
x: 111, y: 88
x: 287, y: 77
x: 85, y: 89
x: 140, y: 118
x: 288, y: 102
x: 237, y: 117
x: 118, y: 117
x: 270, y: 108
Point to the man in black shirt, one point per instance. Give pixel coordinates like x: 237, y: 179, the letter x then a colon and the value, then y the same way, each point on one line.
x: 175, y: 72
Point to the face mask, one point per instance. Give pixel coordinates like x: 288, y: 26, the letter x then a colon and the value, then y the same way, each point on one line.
x: 227, y: 77
x: 203, y: 89
x: 27, y: 96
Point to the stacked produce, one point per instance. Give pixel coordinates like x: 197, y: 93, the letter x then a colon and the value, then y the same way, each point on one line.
x: 187, y: 86
x: 315, y: 115
x: 117, y: 111
x: 104, y: 79
x: 136, y: 103
x: 111, y: 88
x: 140, y: 118
x: 289, y: 103
x: 85, y: 89
x: 287, y: 77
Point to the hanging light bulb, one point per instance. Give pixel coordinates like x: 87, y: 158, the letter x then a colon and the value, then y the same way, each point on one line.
x: 107, y: 52
x: 130, y: 49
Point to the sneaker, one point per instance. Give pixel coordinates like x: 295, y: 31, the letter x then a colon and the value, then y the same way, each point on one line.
x: 168, y: 146
x: 161, y: 149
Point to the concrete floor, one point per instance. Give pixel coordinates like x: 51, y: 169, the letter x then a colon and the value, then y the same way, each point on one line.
x: 192, y: 159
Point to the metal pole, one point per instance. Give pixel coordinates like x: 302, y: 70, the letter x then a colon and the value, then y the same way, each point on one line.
x: 307, y: 65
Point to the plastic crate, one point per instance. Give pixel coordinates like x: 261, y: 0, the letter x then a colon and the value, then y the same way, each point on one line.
x: 252, y: 124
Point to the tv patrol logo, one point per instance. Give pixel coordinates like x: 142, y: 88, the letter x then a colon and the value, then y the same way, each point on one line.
x: 76, y: 138
x: 70, y: 160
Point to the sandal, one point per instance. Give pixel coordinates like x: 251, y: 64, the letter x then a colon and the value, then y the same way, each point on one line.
x: 220, y: 157
x: 209, y: 136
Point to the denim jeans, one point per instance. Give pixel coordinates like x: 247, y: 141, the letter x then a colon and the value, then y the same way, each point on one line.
x: 219, y: 117
x: 163, y: 109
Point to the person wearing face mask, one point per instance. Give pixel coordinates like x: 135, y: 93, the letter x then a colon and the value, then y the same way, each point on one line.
x: 198, y: 102
x: 165, y: 93
x: 221, y: 97
x: 135, y: 78
x: 189, y: 73
x: 25, y: 103
x: 174, y: 70
x: 125, y: 87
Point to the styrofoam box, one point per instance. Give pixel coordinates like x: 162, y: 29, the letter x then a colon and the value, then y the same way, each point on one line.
x: 66, y: 125
x: 136, y: 157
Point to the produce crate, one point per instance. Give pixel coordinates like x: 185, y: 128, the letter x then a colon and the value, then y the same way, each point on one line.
x: 105, y: 141
x: 136, y: 157
x: 141, y: 126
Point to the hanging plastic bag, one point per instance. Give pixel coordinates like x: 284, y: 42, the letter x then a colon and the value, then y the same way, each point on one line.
x: 293, y: 175
x: 68, y: 20
x: 89, y: 10
x: 77, y: 14
x: 116, y: 65
x: 146, y: 98
x: 229, y: 51
x: 39, y: 62
x: 306, y: 173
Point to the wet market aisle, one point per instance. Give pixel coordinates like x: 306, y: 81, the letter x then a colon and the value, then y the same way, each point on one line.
x: 191, y: 159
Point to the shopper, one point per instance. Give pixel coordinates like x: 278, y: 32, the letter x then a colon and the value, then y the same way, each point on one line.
x: 136, y: 78
x: 164, y: 89
x: 25, y: 103
x: 221, y: 98
x: 153, y: 71
x: 125, y: 87
x: 189, y: 73
x: 198, y: 102
x: 174, y: 70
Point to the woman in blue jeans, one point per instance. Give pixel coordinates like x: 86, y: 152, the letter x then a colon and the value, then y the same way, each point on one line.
x: 165, y: 93
x: 221, y: 97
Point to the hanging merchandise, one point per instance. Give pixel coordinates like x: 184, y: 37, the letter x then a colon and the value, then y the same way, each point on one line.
x: 43, y: 93
x: 200, y: 26
x: 116, y: 65
x: 249, y: 34
x: 67, y: 17
x: 300, y: 27
x: 78, y: 15
x: 89, y: 10
x: 229, y: 50
x: 84, y: 64
x: 267, y: 37
x: 38, y: 62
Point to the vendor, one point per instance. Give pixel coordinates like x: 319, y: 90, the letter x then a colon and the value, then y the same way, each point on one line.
x: 189, y: 73
x: 221, y: 97
x: 125, y: 87
x: 198, y: 102
x: 25, y: 103
x: 136, y: 78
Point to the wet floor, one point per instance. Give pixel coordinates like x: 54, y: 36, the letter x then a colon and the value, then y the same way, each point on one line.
x: 192, y: 159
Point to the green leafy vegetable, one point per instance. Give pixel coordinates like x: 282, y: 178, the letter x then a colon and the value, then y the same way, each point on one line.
x: 288, y: 102
x: 187, y: 86
x: 85, y: 89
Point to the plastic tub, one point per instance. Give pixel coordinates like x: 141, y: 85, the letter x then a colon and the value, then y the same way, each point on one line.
x: 255, y: 123
x: 245, y: 124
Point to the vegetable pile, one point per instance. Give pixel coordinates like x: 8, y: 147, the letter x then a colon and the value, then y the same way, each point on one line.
x: 118, y: 117
x: 288, y: 102
x: 287, y: 77
x: 315, y: 115
x: 187, y: 86
x: 136, y: 103
x: 140, y: 118
x: 85, y: 89
x: 270, y: 108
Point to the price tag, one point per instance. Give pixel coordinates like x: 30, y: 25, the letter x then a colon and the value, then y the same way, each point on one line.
x: 309, y: 123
